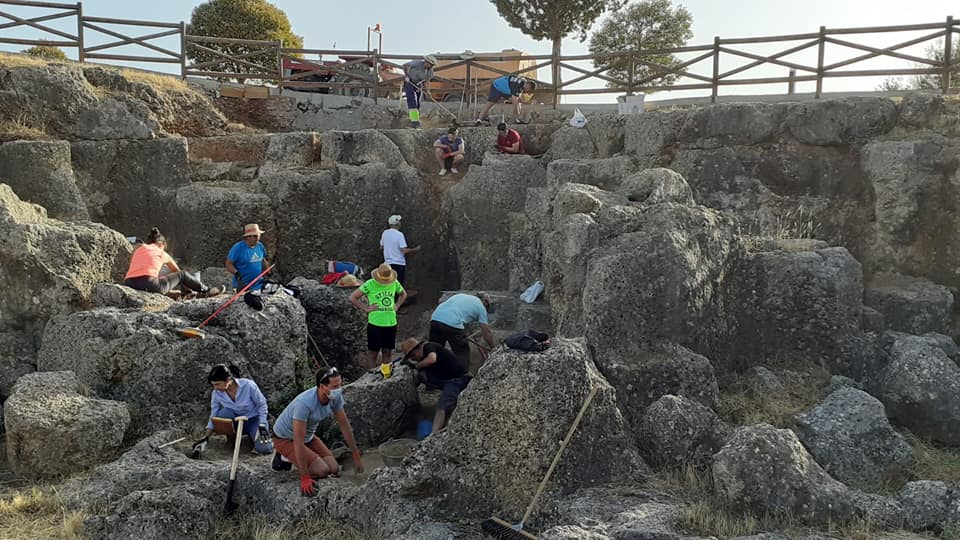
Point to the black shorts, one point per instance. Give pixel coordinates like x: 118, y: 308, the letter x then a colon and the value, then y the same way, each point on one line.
x: 381, y: 337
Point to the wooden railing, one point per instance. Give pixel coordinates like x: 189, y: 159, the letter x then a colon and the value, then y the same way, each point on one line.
x: 375, y: 74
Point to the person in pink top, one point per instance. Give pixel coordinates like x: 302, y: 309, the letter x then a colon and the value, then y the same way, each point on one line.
x: 145, y: 265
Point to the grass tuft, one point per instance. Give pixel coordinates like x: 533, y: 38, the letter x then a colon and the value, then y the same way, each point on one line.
x: 744, y: 401
x: 38, y: 513
x: 934, y: 462
x: 258, y: 527
x: 158, y: 81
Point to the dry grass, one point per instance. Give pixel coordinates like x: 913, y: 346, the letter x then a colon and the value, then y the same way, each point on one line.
x: 38, y: 513
x: 258, y: 527
x: 157, y: 81
x: 792, y: 223
x: 24, y: 60
x: 745, y: 402
x: 934, y: 462
x: 23, y: 125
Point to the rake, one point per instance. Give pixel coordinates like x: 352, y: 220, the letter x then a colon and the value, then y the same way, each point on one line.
x: 196, y: 332
x: 503, y: 529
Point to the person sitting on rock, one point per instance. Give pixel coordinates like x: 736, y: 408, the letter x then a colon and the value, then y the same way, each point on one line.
x: 440, y: 369
x: 449, y: 320
x: 450, y: 151
x: 508, y: 87
x: 233, y: 397
x: 381, y: 308
x: 294, y: 432
x: 247, y: 258
x: 509, y: 141
x: 145, y: 266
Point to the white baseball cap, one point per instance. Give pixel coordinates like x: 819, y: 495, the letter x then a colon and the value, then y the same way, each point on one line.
x: 394, y: 220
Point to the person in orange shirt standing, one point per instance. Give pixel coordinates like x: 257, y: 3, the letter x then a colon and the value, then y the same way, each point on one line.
x: 145, y: 265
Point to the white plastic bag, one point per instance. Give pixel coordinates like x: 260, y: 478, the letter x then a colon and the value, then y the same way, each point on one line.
x: 578, y: 120
x: 530, y: 295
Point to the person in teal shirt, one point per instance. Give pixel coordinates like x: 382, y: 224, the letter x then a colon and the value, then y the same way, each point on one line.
x: 449, y: 320
x: 384, y: 296
x: 247, y: 258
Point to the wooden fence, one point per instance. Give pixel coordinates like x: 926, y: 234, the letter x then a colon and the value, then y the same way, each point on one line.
x: 375, y: 74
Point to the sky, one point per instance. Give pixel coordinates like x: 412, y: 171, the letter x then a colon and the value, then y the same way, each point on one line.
x: 453, y: 26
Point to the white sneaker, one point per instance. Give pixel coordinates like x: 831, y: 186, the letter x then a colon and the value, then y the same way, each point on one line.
x: 454, y: 170
x: 442, y: 172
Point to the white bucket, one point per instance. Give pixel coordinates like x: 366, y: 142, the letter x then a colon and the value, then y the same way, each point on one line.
x: 631, y: 104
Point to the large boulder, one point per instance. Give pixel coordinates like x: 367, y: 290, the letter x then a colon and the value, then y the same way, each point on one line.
x: 676, y: 431
x: 54, y: 265
x: 655, y: 186
x: 140, y: 358
x: 203, y: 230
x: 732, y: 124
x: 926, y: 504
x: 913, y: 193
x: 609, y: 512
x: 333, y: 214
x: 642, y: 375
x: 909, y: 304
x: 850, y: 437
x: 836, y: 122
x: 379, y: 409
x: 337, y: 328
x: 18, y: 356
x: 52, y: 429
x: 763, y: 469
x: 604, y: 173
x: 794, y: 302
x: 477, y: 211
x: 920, y: 388
x: 359, y: 148
x: 648, y: 134
x: 659, y: 280
x: 131, y: 185
x: 121, y: 296
x: 40, y: 172
x: 506, y: 429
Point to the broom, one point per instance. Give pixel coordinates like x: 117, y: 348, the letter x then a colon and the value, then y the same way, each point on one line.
x: 503, y: 529
x: 196, y: 332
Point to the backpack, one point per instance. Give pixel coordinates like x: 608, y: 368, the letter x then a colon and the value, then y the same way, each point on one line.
x: 528, y: 340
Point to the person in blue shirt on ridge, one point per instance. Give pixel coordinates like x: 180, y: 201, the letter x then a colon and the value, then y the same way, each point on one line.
x: 247, y: 258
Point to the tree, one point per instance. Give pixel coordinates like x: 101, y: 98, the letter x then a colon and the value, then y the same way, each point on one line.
x: 554, y: 19
x: 927, y: 82
x: 46, y: 51
x: 239, y: 19
x: 645, y: 25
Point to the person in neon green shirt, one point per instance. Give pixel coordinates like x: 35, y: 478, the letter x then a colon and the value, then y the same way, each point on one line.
x: 384, y: 296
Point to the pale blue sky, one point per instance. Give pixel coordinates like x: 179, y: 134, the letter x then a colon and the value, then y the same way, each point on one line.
x: 452, y: 26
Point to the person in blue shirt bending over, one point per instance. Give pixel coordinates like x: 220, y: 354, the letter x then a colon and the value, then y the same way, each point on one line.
x: 509, y: 88
x: 232, y: 397
x: 247, y: 258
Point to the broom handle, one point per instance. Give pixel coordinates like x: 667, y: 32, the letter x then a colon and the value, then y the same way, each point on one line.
x: 556, y: 458
x: 235, y: 296
x: 236, y: 448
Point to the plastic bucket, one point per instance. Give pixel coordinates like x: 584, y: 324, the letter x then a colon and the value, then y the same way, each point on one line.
x: 631, y: 104
x: 395, y: 450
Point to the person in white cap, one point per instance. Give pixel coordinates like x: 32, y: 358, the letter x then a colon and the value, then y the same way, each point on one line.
x: 394, y: 246
x: 416, y: 76
x: 247, y: 258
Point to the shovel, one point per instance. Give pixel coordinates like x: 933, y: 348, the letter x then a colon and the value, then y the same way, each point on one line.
x: 196, y: 332
x: 230, y: 506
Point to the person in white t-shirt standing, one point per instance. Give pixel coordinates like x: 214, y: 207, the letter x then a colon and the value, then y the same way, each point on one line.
x: 394, y: 247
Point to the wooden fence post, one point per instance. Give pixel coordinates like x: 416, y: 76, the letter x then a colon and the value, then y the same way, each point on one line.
x: 555, y: 75
x: 279, y: 63
x: 947, y: 57
x: 633, y: 67
x: 183, y: 50
x: 716, y: 70
x: 376, y: 75
x: 792, y: 85
x: 467, y: 86
x: 80, y: 55
x: 821, y: 46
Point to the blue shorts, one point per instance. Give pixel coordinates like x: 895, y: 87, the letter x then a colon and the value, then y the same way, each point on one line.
x: 496, y: 96
x: 450, y: 391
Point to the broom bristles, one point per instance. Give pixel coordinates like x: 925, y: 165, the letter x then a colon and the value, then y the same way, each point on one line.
x: 502, y: 529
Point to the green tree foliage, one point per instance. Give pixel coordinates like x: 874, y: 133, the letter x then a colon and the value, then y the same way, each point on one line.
x: 46, y: 51
x: 239, y: 19
x: 553, y: 19
x: 644, y: 25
